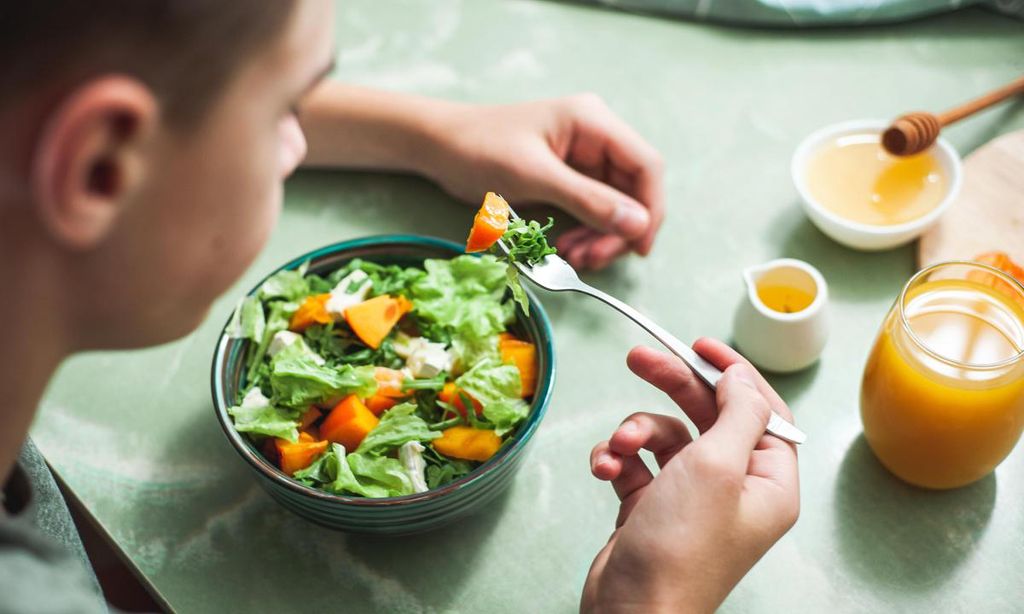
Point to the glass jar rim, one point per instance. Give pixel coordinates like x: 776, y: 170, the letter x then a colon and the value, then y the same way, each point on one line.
x: 905, y: 321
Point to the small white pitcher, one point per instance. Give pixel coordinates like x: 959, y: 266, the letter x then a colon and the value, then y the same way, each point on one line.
x: 778, y: 341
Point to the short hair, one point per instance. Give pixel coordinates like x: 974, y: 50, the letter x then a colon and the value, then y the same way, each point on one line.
x: 184, y: 50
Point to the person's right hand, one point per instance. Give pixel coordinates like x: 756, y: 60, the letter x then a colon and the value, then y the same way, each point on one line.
x: 685, y: 537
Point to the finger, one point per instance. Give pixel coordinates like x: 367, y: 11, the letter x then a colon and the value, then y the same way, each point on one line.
x: 628, y: 155
x: 648, y: 189
x: 595, y: 203
x: 571, y: 237
x: 723, y: 356
x: 577, y: 256
x: 662, y: 435
x: 605, y: 464
x: 605, y: 249
x: 634, y: 476
x: 565, y: 246
x: 742, y: 417
x: 668, y: 374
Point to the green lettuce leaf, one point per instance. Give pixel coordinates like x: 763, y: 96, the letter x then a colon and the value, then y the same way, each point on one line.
x: 496, y: 386
x: 397, y: 426
x: 331, y: 471
x: 464, y: 295
x: 381, y: 471
x: 258, y: 416
x: 290, y: 285
x: 516, y: 286
x: 297, y: 380
x: 248, y: 321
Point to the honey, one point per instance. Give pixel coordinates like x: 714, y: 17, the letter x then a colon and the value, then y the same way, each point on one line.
x: 855, y: 178
x: 784, y: 299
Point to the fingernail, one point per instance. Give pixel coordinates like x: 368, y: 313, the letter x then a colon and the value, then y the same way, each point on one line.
x: 604, y: 459
x: 746, y: 375
x: 630, y: 220
x: 628, y: 427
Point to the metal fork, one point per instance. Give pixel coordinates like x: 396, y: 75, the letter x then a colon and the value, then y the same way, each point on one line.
x: 556, y: 275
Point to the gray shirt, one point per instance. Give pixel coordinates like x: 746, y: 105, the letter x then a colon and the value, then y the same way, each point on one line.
x: 43, y: 566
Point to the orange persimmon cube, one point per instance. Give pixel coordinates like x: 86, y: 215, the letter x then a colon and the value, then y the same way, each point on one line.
x: 348, y: 423
x: 372, y: 320
x: 404, y: 304
x: 312, y: 311
x: 312, y: 415
x: 489, y: 224
x: 379, y: 404
x: 452, y: 395
x: 468, y: 443
x: 523, y: 355
x: 295, y: 456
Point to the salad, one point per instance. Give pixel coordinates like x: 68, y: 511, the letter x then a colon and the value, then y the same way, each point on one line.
x: 381, y: 380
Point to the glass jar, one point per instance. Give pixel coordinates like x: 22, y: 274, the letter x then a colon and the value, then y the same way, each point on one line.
x: 942, y: 399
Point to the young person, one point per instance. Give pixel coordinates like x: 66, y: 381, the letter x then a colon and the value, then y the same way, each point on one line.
x: 145, y: 146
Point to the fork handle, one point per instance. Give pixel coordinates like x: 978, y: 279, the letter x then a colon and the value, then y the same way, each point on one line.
x: 707, y: 372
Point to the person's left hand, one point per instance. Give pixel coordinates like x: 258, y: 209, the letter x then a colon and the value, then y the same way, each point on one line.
x: 572, y: 152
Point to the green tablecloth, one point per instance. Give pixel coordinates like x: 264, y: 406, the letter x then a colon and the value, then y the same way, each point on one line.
x: 134, y: 434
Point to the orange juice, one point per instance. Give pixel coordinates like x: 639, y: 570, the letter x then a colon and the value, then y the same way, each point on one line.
x: 858, y: 180
x: 942, y: 399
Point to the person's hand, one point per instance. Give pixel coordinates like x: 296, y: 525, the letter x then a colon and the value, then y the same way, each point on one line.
x: 686, y: 536
x: 571, y: 152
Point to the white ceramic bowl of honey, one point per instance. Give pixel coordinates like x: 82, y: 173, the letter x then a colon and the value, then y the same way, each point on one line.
x: 863, y: 197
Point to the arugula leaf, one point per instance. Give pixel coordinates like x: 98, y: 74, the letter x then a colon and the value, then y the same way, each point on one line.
x: 397, y: 426
x: 439, y: 475
x: 527, y: 241
x: 496, y: 386
x: 387, y: 279
x: 340, y: 345
x: 297, y: 380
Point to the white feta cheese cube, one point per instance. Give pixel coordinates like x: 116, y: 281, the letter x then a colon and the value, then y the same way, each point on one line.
x: 281, y: 340
x: 255, y: 399
x: 411, y: 455
x: 428, y: 360
x: 345, y: 294
x: 405, y: 345
x: 286, y: 339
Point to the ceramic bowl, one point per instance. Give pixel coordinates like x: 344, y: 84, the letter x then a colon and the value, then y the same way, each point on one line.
x: 394, y: 515
x: 868, y: 237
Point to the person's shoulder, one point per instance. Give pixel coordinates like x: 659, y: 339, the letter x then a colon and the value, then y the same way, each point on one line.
x: 36, y: 575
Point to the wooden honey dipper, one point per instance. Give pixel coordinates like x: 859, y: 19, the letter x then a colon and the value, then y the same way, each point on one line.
x: 915, y: 132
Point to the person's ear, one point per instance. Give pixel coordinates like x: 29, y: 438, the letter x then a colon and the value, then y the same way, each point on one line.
x: 90, y: 158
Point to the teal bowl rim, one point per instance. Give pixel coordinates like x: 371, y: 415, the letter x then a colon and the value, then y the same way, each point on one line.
x: 537, y: 408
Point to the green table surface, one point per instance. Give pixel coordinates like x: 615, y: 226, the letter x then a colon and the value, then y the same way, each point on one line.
x: 134, y: 434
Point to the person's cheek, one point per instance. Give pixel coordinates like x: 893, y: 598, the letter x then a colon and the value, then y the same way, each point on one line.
x: 292, y: 145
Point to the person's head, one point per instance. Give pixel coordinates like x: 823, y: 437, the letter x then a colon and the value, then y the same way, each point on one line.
x: 145, y: 144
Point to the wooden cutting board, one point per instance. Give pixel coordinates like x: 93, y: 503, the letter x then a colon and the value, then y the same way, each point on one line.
x: 988, y: 215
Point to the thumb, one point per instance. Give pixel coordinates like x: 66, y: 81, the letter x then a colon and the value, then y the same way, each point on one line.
x: 595, y: 203
x: 743, y: 414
